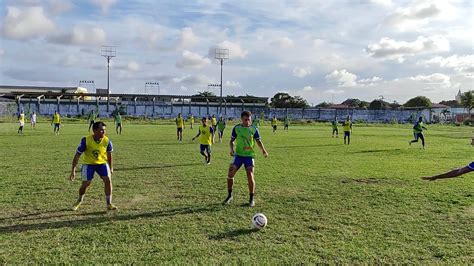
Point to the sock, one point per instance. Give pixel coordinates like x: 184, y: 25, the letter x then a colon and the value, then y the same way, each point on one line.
x: 108, y: 199
x: 229, y: 193
x: 251, y: 196
x: 81, y: 198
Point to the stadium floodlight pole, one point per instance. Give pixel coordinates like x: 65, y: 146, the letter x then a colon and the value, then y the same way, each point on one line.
x: 152, y: 85
x: 108, y: 52
x: 221, y: 55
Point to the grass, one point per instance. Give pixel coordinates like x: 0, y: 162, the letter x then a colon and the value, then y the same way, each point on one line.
x: 325, y: 202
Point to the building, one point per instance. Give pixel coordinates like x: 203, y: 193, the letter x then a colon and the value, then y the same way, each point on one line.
x: 458, y: 97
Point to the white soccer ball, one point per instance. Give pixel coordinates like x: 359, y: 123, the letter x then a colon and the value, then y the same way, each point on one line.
x: 259, y: 221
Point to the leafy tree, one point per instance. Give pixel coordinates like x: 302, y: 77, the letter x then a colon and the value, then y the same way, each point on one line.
x: 323, y: 105
x: 352, y: 102
x: 418, y: 101
x: 364, y: 104
x: 467, y: 101
x: 394, y: 105
x: 451, y: 103
x: 378, y: 105
x: 284, y: 100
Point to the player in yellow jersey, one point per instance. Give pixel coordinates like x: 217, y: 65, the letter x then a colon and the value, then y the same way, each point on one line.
x: 454, y: 173
x: 179, y: 126
x: 191, y: 121
x: 245, y: 135
x: 97, y: 150
x: 57, y: 122
x: 205, y: 134
x: 274, y: 124
x: 347, y: 128
x: 21, y: 121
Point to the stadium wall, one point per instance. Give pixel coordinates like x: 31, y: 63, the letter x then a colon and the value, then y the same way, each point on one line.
x: 167, y: 110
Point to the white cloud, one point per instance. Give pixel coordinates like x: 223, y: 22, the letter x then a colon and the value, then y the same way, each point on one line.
x: 187, y: 38
x: 81, y: 35
x: 301, y: 72
x: 283, y: 43
x: 436, y: 78
x: 70, y: 60
x: 235, y: 51
x: 307, y: 88
x: 193, y: 60
x: 420, y: 13
x: 382, y: 2
x: 59, y: 6
x: 191, y: 80
x: 459, y: 63
x: 133, y: 66
x: 391, y: 49
x: 104, y: 4
x: 342, y: 78
x: 331, y: 91
x: 2, y: 52
x: 232, y: 84
x: 26, y: 23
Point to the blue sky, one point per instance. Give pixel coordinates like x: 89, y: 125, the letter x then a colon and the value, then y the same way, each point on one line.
x: 319, y: 50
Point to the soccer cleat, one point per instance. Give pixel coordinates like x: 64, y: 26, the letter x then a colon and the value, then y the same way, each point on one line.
x: 252, y: 203
x: 228, y: 200
x: 111, y: 207
x: 76, y: 205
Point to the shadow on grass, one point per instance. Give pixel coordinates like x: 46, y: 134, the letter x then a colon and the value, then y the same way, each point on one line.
x: 155, y: 166
x: 305, y: 146
x: 104, y: 218
x: 233, y: 233
x: 32, y: 216
x: 379, y: 151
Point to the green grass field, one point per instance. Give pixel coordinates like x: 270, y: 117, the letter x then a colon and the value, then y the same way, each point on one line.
x: 325, y: 202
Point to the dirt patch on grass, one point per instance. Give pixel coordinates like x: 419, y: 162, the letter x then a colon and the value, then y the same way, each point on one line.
x: 368, y: 181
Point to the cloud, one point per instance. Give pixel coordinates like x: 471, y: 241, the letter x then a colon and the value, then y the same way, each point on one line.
x: 81, y: 35
x: 133, y: 66
x: 59, y: 6
x: 458, y: 63
x: 2, y: 51
x: 283, y: 43
x: 232, y: 84
x: 301, y: 72
x: 307, y: 88
x: 192, y: 60
x: 190, y: 80
x: 382, y: 2
x: 331, y: 91
x: 397, y: 50
x: 26, y: 23
x: 104, y: 4
x: 436, y: 78
x: 419, y: 14
x: 69, y: 60
x: 235, y: 51
x: 342, y: 78
x: 187, y: 38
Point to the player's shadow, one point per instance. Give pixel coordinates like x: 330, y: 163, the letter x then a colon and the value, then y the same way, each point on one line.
x: 33, y: 216
x: 155, y: 166
x: 379, y: 151
x: 233, y: 233
x: 304, y: 146
x: 43, y: 224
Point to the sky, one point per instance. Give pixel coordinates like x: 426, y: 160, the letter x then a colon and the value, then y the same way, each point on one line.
x: 320, y: 50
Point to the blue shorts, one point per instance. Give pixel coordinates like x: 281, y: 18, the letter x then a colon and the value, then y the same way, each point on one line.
x: 56, y: 125
x: 347, y: 133
x: 88, y: 170
x: 471, y: 166
x: 246, y: 161
x: 205, y: 148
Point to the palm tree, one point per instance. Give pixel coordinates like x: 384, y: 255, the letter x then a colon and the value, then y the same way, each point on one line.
x: 467, y: 101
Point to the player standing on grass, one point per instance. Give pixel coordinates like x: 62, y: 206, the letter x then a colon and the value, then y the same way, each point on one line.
x: 286, y: 122
x: 92, y: 117
x: 418, y: 132
x: 220, y: 128
x: 244, y: 135
x: 33, y: 120
x: 347, y: 127
x: 453, y: 173
x: 118, y: 123
x: 21, y: 121
x: 179, y: 126
x: 57, y: 122
x: 97, y: 150
x: 335, y: 131
x: 191, y: 121
x: 205, y: 134
x: 274, y: 124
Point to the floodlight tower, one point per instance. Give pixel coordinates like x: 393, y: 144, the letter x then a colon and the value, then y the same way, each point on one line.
x: 108, y: 52
x: 221, y: 55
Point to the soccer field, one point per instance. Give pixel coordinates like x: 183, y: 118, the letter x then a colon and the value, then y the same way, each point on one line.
x: 325, y: 201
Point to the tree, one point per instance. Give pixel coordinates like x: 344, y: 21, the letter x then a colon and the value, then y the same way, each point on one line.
x: 352, y: 102
x: 364, y: 104
x: 378, y: 105
x: 467, y: 101
x: 323, y: 105
x: 298, y: 102
x: 418, y: 101
x: 206, y: 94
x: 394, y: 105
x: 451, y: 103
x: 280, y: 100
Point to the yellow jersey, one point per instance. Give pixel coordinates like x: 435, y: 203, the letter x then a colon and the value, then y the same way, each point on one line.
x: 179, y: 122
x: 347, y: 125
x: 95, y: 152
x: 21, y: 119
x: 206, y: 135
x: 56, y: 119
x: 214, y: 121
x: 274, y: 122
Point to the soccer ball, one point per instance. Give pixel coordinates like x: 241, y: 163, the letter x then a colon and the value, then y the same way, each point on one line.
x: 259, y: 221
